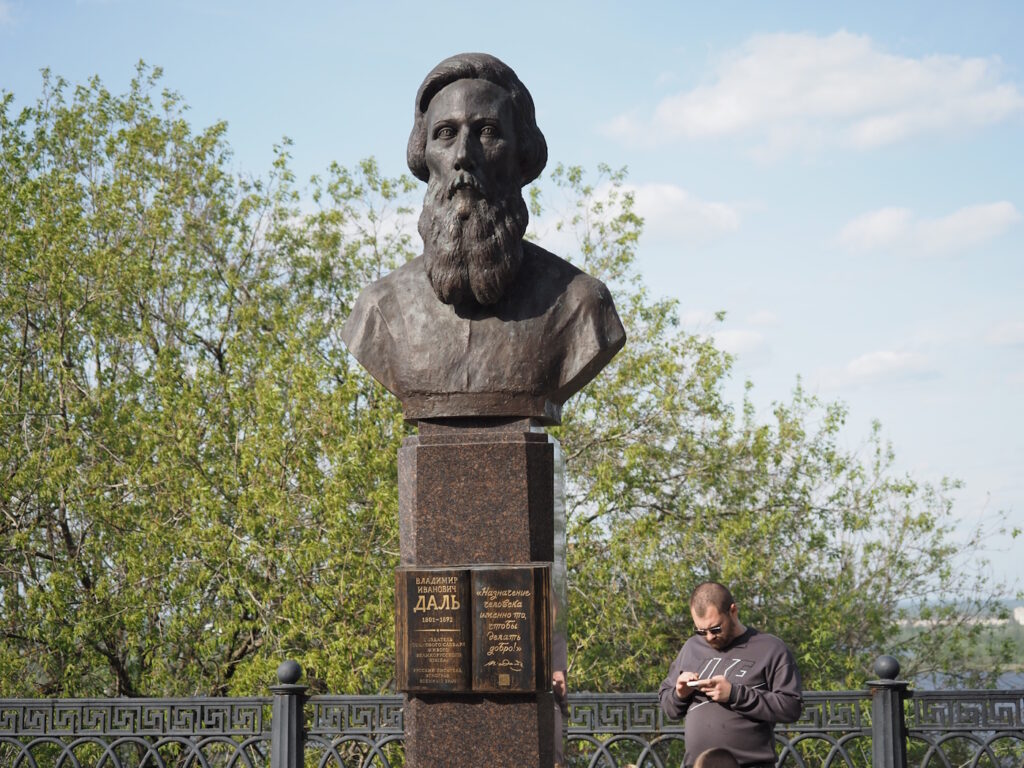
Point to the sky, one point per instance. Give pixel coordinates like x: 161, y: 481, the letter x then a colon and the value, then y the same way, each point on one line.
x: 843, y: 180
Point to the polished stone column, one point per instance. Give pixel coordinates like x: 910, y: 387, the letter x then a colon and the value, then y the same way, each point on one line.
x: 475, y: 492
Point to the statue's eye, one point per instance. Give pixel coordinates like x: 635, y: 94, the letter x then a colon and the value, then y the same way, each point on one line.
x: 444, y: 132
x: 490, y: 131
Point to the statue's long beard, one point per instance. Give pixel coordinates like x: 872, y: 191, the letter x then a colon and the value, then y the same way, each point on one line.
x: 472, y: 246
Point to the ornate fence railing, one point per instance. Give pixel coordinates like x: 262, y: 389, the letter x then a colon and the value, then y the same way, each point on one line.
x: 966, y: 728
x: 125, y: 733
x: 883, y: 725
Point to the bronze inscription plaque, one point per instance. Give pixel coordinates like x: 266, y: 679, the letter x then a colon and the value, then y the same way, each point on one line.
x: 478, y: 628
x: 510, y: 628
x: 432, y: 640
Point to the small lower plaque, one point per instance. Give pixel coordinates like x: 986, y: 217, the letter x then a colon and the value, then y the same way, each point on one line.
x: 432, y: 633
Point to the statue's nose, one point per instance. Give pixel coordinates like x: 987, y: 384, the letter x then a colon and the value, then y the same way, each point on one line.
x: 464, y: 154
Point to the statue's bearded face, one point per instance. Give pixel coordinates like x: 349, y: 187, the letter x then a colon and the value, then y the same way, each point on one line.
x: 474, y: 215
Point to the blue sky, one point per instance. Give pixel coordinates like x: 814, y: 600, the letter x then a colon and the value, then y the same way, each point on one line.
x: 844, y: 181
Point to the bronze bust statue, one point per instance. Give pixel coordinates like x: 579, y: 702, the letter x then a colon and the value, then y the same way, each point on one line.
x: 483, y: 324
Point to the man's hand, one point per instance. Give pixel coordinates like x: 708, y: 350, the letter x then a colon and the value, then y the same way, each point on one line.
x: 716, y: 688
x: 683, y: 691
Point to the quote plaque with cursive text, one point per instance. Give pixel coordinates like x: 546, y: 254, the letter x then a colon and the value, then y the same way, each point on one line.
x: 510, y: 629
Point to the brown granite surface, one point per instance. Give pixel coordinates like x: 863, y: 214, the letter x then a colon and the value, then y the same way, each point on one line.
x: 496, y: 732
x: 469, y: 494
x: 472, y: 492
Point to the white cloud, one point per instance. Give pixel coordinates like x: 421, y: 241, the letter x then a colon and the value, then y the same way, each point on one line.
x: 884, y: 363
x: 792, y: 91
x: 967, y: 227
x: 670, y: 213
x: 892, y: 228
x: 673, y: 213
x: 742, y: 342
x: 628, y: 127
x: 746, y: 341
x: 6, y: 13
x: 1008, y: 334
x: 743, y: 339
x: 764, y: 317
x: 880, y: 366
x: 694, y: 319
x: 666, y: 78
x: 879, y: 229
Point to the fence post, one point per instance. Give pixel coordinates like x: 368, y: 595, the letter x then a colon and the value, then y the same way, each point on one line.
x: 287, y: 725
x: 888, y: 725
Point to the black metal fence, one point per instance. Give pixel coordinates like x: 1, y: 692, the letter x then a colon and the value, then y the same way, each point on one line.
x: 883, y: 725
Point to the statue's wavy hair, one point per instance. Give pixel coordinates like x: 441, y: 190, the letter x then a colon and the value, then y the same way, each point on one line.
x: 530, y: 144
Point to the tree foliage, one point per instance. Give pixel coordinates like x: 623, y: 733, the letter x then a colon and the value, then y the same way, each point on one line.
x: 830, y: 549
x: 196, y: 481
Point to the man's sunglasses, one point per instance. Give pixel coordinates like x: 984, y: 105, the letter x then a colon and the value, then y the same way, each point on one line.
x: 710, y: 630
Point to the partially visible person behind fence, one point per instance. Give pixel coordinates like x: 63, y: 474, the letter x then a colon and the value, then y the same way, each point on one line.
x: 559, y: 682
x: 716, y: 757
x: 560, y: 691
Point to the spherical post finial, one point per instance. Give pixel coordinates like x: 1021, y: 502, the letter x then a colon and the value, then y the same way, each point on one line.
x: 289, y: 672
x: 887, y: 667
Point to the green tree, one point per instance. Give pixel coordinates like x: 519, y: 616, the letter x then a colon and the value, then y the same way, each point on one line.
x: 196, y: 481
x: 830, y: 549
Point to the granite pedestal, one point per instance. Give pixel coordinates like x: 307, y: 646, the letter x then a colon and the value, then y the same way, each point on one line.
x: 474, y: 492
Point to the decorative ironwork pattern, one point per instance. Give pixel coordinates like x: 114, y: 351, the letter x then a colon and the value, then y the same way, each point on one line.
x: 982, y: 729
x: 616, y: 730
x: 354, y: 751
x: 946, y: 729
x: 354, y: 731
x: 618, y: 712
x: 839, y: 711
x: 134, y: 733
x: 154, y: 717
x: 966, y: 710
x: 834, y: 731
x: 842, y: 711
x: 355, y: 714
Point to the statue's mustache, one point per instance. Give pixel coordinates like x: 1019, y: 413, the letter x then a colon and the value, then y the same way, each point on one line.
x: 465, y: 181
